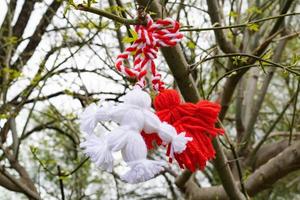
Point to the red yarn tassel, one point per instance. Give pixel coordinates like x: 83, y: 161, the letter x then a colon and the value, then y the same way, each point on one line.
x: 151, y: 140
x: 197, y: 120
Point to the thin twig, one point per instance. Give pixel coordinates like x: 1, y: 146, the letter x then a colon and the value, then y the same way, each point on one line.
x: 193, y: 66
x: 234, y: 71
x: 61, y: 184
x: 288, y: 36
x: 239, y: 25
x: 76, y: 168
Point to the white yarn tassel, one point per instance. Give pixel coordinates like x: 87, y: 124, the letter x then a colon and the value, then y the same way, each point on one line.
x: 88, y: 119
x: 138, y: 97
x: 142, y: 170
x: 179, y: 142
x: 169, y: 135
x: 90, y: 116
x: 97, y: 149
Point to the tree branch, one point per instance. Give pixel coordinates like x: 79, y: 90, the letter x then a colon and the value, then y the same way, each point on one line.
x: 23, y: 18
x: 267, y: 152
x: 21, y: 185
x: 8, y: 184
x: 37, y: 35
x: 109, y: 15
x: 213, y: 11
x: 5, y: 28
x: 276, y: 168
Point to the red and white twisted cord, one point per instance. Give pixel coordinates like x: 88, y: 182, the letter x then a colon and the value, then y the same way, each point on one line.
x: 162, y: 33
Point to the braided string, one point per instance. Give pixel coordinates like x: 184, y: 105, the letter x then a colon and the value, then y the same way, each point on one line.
x: 162, y: 33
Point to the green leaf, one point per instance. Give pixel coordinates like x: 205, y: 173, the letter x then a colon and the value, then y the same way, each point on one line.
x: 134, y: 34
x: 12, y: 73
x: 253, y: 27
x: 233, y: 14
x: 229, y: 35
x: 36, y: 79
x: 254, y: 10
x: 12, y: 40
x: 235, y: 60
x: 295, y: 59
x: 4, y: 116
x: 243, y: 59
x: 191, y: 45
x: 130, y: 39
x: 127, y: 39
x: 116, y: 9
x: 33, y: 149
x: 66, y: 9
x: 152, y: 13
x: 268, y: 55
x: 80, y: 34
x: 90, y: 2
x: 239, y: 59
x: 69, y: 92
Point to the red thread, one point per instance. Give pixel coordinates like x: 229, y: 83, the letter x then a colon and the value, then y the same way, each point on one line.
x: 151, y: 140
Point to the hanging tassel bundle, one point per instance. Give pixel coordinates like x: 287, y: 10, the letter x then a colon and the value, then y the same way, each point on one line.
x: 186, y: 129
x: 133, y: 117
